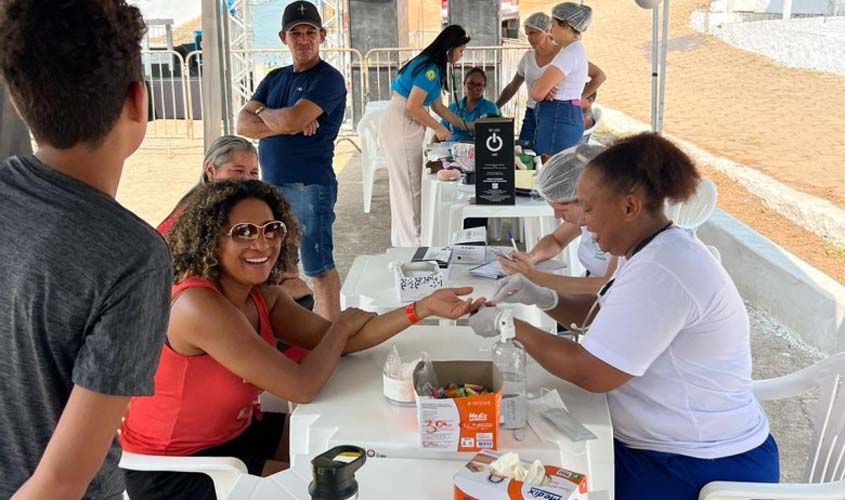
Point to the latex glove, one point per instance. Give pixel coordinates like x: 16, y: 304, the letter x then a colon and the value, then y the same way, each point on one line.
x: 483, y: 322
x: 518, y: 289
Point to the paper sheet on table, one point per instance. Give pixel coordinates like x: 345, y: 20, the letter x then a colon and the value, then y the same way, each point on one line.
x: 493, y: 270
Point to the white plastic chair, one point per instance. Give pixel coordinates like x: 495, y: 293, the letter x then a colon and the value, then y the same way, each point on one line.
x: 588, y: 132
x: 223, y: 471
x: 694, y: 212
x: 371, y: 149
x: 824, y: 473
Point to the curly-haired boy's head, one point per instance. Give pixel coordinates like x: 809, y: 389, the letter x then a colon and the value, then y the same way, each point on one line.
x: 69, y: 65
x: 195, y: 238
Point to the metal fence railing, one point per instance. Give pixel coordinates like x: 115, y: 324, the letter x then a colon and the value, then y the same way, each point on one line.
x: 175, y: 90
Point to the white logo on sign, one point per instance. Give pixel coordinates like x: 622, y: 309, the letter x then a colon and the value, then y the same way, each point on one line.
x: 494, y: 142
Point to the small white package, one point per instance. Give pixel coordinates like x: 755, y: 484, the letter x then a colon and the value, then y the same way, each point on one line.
x: 398, y: 379
x: 415, y: 280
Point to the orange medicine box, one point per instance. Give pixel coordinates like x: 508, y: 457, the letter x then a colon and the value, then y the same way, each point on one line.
x: 475, y: 481
x: 462, y: 424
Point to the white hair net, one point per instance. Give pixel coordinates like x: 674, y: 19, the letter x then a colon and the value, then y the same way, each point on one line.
x: 556, y: 180
x: 538, y: 20
x: 577, y: 16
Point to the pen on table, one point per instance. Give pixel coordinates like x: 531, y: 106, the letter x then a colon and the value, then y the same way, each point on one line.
x: 513, y: 242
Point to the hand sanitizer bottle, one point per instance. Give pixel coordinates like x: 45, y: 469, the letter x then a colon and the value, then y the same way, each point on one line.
x: 509, y: 357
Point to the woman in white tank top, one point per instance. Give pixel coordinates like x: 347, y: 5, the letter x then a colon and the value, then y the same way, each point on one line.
x: 556, y: 183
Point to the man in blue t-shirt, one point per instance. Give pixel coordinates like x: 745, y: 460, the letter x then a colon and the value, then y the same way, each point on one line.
x: 296, y: 113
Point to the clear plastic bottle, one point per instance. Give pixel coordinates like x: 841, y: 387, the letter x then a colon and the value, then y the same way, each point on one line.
x: 509, y: 357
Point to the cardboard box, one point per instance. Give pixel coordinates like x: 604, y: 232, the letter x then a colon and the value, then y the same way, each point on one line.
x: 494, y: 161
x: 461, y: 424
x: 415, y: 280
x: 475, y: 481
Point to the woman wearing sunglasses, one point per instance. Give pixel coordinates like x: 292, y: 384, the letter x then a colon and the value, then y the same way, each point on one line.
x: 669, y: 342
x: 230, y: 157
x: 228, y: 250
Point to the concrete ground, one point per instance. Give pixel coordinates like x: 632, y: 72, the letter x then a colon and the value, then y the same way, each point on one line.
x: 157, y: 176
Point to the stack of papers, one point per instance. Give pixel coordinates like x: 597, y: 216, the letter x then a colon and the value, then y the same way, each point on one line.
x: 494, y: 271
x: 440, y: 255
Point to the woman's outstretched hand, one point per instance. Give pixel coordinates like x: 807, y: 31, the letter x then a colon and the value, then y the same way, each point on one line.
x: 447, y: 303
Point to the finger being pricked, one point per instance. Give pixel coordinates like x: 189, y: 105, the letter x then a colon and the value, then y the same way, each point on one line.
x: 476, y: 304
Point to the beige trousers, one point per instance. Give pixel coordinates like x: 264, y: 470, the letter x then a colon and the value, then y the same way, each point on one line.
x: 402, y: 139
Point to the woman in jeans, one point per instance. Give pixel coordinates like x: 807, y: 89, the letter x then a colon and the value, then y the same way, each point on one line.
x: 558, y: 91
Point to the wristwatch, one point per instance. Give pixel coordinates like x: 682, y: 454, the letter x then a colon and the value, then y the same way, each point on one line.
x: 259, y: 110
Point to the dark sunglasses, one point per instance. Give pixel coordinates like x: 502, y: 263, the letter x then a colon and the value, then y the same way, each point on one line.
x: 274, y: 230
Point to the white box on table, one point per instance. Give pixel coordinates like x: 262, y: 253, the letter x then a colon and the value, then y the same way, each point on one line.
x: 415, y: 280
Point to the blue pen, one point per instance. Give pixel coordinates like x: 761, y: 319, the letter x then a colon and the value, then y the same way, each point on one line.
x: 513, y: 242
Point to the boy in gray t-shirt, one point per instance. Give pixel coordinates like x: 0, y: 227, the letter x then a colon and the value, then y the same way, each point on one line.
x: 84, y: 283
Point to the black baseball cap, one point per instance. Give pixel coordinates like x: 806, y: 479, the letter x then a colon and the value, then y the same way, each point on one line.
x: 301, y: 12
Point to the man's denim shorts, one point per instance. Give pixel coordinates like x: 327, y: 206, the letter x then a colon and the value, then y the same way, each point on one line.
x: 313, y: 206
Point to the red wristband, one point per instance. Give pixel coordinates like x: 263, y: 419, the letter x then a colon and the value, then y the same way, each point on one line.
x: 411, y: 313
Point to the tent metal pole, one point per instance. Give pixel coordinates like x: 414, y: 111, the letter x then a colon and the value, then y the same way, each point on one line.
x: 663, y: 50
x: 654, y: 38
x: 212, y: 72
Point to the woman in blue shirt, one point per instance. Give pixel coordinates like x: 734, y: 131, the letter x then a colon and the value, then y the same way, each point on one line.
x: 472, y: 107
x: 403, y: 125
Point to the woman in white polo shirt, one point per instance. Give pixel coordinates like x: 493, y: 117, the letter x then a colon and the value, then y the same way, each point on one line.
x: 556, y: 184
x: 670, y: 340
x: 531, y: 67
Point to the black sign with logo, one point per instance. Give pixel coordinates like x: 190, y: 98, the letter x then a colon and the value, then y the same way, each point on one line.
x: 494, y: 175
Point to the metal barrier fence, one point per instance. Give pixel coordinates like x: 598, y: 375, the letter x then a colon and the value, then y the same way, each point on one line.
x: 175, y: 89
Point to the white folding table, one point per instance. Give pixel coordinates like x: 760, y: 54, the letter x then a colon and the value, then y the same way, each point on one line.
x: 445, y: 205
x: 369, y: 285
x: 351, y: 409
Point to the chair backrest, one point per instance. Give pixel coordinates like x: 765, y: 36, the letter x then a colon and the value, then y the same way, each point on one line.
x: 597, y: 116
x: 694, y: 212
x: 826, y: 454
x: 368, y: 127
x: 224, y: 471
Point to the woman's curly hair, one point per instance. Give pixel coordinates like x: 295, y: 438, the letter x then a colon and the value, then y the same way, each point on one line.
x: 194, y: 239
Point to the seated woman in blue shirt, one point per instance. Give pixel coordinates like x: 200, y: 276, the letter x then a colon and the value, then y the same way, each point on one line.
x: 472, y: 107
